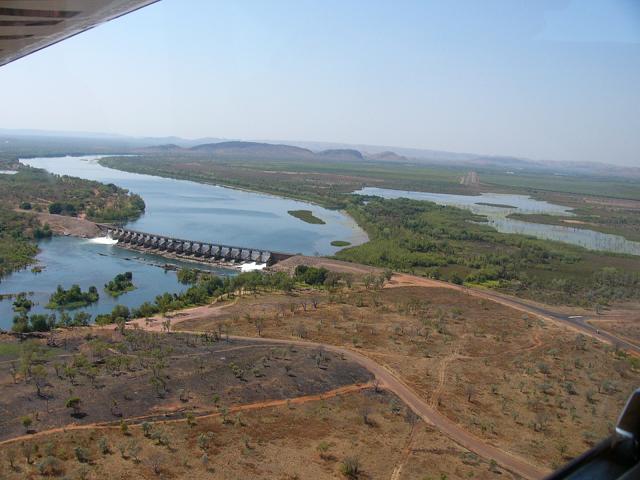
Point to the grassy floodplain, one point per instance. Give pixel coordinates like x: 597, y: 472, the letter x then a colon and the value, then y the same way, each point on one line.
x: 432, y: 240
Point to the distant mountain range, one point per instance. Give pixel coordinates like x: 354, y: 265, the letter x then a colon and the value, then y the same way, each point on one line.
x: 296, y: 150
x: 231, y: 150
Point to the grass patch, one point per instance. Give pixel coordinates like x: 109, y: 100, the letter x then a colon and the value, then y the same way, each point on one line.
x: 306, y: 216
x: 10, y: 349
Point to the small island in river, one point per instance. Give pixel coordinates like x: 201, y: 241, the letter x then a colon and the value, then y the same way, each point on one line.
x: 306, y: 216
x: 121, y: 283
x: 499, y: 205
x: 340, y: 243
x: 72, y: 298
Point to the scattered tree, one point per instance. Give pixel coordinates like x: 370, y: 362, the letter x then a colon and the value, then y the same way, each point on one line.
x: 75, y: 404
x: 26, y: 421
x: 82, y: 454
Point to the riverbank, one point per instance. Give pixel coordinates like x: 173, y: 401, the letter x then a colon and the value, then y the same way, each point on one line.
x: 66, y: 225
x: 28, y: 197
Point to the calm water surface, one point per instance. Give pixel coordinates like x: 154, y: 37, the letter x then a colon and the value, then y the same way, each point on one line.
x: 68, y: 260
x: 210, y: 213
x: 177, y: 208
x: 497, y: 217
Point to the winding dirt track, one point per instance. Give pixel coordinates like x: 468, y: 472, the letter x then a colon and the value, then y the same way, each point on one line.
x: 234, y: 409
x: 422, y: 408
x: 391, y: 382
x: 576, y: 322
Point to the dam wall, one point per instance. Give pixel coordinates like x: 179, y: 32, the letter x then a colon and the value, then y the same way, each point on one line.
x: 194, y: 250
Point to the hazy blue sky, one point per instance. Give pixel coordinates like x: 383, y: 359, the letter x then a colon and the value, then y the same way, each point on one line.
x: 546, y: 80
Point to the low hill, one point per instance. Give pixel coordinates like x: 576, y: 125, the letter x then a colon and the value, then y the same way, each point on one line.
x: 387, y: 156
x: 168, y: 147
x: 255, y: 150
x: 347, y: 154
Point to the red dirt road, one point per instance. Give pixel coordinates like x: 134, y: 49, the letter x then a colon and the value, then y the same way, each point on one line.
x: 234, y: 409
x: 391, y: 382
x: 422, y: 408
x: 578, y: 323
x: 388, y: 379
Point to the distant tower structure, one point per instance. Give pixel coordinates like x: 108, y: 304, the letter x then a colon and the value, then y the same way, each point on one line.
x: 471, y: 179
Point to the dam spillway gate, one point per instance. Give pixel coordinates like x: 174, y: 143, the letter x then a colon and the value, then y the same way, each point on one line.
x: 195, y: 250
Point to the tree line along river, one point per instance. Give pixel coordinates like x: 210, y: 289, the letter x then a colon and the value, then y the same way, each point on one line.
x: 217, y: 214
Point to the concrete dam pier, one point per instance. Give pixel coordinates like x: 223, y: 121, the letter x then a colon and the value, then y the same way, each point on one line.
x: 192, y: 250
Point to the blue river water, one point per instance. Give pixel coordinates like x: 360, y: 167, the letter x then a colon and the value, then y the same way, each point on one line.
x: 177, y: 208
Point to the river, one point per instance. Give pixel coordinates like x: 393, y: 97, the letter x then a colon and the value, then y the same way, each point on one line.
x: 503, y: 204
x: 177, y: 208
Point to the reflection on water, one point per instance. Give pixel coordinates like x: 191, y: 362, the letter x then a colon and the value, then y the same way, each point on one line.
x: 497, y: 217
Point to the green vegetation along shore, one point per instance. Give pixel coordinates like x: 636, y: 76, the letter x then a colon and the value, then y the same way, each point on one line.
x: 625, y: 224
x: 325, y: 182
x: 447, y: 243
x: 33, y: 190
x: 428, y: 239
x: 204, y: 288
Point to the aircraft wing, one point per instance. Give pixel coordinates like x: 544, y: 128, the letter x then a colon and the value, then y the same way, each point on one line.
x: 27, y: 26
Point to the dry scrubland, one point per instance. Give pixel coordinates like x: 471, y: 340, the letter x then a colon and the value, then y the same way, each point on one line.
x: 310, y: 440
x: 529, y: 386
x: 219, y: 409
x: 150, y: 375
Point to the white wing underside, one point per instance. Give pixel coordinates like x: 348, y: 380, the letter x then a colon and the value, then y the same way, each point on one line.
x: 27, y: 26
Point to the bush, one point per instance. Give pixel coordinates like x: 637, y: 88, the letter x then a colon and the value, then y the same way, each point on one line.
x: 44, y: 232
x: 311, y: 275
x: 22, y: 304
x: 82, y: 454
x: 58, y: 208
x: 350, y: 467
x: 50, y: 466
x: 103, y: 446
x: 120, y: 284
x: 74, y: 404
x: 55, y: 208
x: 26, y: 421
x: 35, y: 323
x: 187, y: 276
